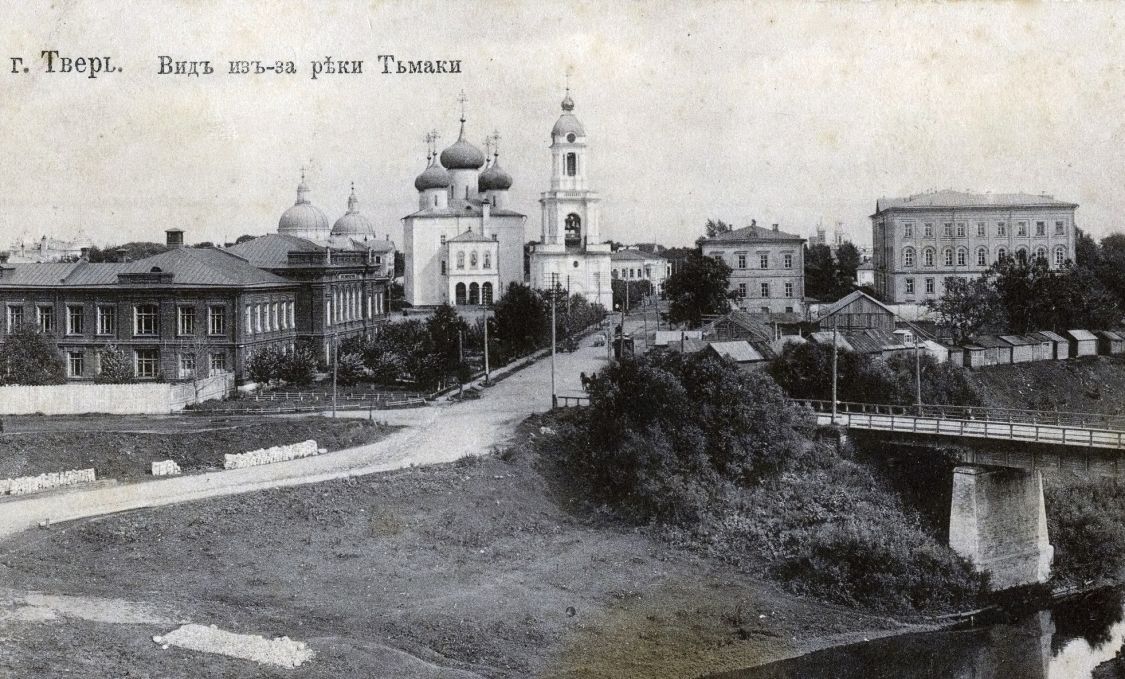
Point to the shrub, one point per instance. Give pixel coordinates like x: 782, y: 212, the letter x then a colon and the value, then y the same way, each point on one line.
x: 298, y: 367
x: 264, y: 365
x: 1086, y: 523
x: 116, y: 368
x: 349, y: 368
x: 28, y: 356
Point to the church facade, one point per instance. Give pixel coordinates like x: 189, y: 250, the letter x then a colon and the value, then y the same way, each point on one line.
x: 570, y: 252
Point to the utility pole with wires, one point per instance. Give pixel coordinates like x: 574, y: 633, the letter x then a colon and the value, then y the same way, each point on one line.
x: 835, y: 353
x: 917, y: 374
x: 554, y: 295
x: 335, y: 366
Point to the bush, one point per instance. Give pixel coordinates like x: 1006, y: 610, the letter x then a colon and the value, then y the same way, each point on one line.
x: 349, y: 369
x: 28, y: 356
x: 1086, y: 523
x: 298, y: 367
x: 116, y: 368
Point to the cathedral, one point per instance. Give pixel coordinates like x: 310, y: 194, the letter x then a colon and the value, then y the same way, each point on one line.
x: 464, y: 245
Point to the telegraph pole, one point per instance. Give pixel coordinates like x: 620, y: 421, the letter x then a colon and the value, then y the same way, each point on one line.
x: 835, y: 352
x: 917, y: 374
x: 335, y: 364
x: 486, y: 345
x: 554, y: 294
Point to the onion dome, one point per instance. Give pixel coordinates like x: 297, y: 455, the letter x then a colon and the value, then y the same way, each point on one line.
x: 353, y: 223
x: 567, y: 122
x: 494, y: 178
x: 433, y: 177
x: 462, y: 155
x: 304, y: 219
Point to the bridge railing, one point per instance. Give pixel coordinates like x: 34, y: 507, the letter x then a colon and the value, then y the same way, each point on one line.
x: 975, y: 413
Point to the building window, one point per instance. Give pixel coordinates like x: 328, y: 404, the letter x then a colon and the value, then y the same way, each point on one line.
x: 107, y: 319
x: 571, y: 164
x: 45, y: 317
x: 216, y: 320
x: 742, y: 290
x: 927, y: 257
x: 74, y: 319
x: 486, y: 293
x: 1001, y: 255
x: 148, y: 362
x: 787, y: 260
x: 908, y: 230
x: 908, y: 258
x: 1021, y: 228
x: 275, y: 316
x: 909, y: 286
x: 185, y: 320
x: 960, y: 229
x: 290, y: 311
x: 473, y: 259
x: 947, y: 257
x: 1060, y: 256
x: 982, y: 257
x: 1060, y: 227
x: 144, y: 319
x: 962, y: 257
x: 15, y: 316
x: 763, y: 260
x: 788, y: 288
x: 1001, y: 229
x: 443, y: 267
x: 765, y: 289
x: 929, y: 286
x: 1041, y: 255
x: 742, y: 260
x: 1040, y: 228
x: 459, y: 294
x: 187, y: 366
x: 487, y: 263
x: 258, y: 318
x: 75, y: 363
x: 981, y: 229
x: 927, y: 230
x: 460, y: 260
x: 947, y: 230
x: 218, y: 363
x: 1021, y: 256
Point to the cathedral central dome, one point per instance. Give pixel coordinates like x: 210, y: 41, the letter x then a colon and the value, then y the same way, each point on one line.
x: 462, y: 156
x: 304, y: 219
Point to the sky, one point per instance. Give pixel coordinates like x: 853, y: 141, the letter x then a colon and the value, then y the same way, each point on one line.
x: 788, y: 113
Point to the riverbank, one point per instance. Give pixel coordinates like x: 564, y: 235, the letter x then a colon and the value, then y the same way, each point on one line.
x: 469, y: 567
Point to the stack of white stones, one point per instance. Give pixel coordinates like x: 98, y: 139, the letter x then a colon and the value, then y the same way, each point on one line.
x: 270, y: 455
x: 32, y: 484
x: 165, y: 468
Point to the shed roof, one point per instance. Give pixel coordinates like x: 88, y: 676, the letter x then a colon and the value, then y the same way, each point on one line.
x: 1018, y: 341
x: 990, y: 342
x: 825, y: 337
x: 1082, y: 335
x: 1110, y: 335
x: 1053, y: 336
x: 739, y: 350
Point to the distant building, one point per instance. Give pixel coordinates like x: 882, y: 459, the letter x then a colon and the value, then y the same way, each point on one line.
x: 23, y: 251
x: 634, y: 265
x: 922, y: 240
x: 768, y: 267
x: 865, y: 274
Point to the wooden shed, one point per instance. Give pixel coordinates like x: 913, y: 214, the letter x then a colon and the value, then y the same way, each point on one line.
x: 858, y: 311
x: 1110, y: 343
x: 1043, y: 349
x: 1060, y: 344
x: 1022, y: 349
x: 1082, y: 343
x: 1002, y: 350
x: 955, y: 353
x: 978, y: 355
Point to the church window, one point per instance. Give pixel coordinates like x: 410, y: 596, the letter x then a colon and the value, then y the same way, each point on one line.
x: 947, y: 255
x: 459, y: 294
x: 487, y: 264
x: 473, y: 259
x: 1001, y: 255
x: 486, y: 294
x: 962, y: 257
x: 474, y: 294
x: 1060, y: 256
x: 461, y: 260
x: 571, y: 137
x: 576, y: 264
x: 573, y: 234
x: 443, y: 239
x: 571, y: 167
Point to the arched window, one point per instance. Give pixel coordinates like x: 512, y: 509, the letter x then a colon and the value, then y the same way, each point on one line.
x: 1001, y: 255
x: 571, y: 164
x: 573, y: 235
x: 1041, y: 254
x: 486, y: 294
x: 962, y: 257
x: 1021, y: 255
x: 461, y: 260
x: 1060, y: 256
x: 473, y: 259
x: 474, y: 294
x: 908, y: 258
x: 928, y: 257
x: 459, y: 297
x: 982, y: 257
x: 947, y: 257
x: 487, y: 261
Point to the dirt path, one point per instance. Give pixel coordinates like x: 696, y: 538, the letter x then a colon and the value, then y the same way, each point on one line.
x: 433, y: 435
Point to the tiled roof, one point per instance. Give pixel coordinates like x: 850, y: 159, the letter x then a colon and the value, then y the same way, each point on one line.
x: 961, y: 199
x: 752, y: 233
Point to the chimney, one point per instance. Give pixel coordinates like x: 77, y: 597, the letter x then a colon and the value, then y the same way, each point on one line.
x: 775, y: 227
x: 121, y: 252
x: 174, y: 238
x: 85, y: 254
x: 4, y: 257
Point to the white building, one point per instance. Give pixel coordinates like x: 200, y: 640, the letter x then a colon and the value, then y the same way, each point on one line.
x: 631, y: 265
x: 570, y: 252
x: 463, y: 245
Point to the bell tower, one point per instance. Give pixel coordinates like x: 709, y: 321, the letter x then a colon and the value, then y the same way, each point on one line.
x: 570, y: 208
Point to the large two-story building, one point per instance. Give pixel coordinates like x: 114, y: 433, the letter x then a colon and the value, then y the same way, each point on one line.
x: 921, y: 241
x: 767, y: 267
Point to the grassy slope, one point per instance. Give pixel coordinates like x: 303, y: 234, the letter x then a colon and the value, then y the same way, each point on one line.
x: 1094, y: 384
x: 470, y: 565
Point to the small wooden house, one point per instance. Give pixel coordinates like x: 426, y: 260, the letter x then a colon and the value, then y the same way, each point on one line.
x: 1110, y: 343
x: 1042, y: 349
x: 1059, y: 344
x: 1023, y: 349
x: 1001, y: 349
x: 954, y: 354
x: 1082, y: 343
x: 858, y: 311
x: 978, y: 355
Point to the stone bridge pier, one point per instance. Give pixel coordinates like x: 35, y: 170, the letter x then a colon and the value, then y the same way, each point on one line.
x: 998, y: 521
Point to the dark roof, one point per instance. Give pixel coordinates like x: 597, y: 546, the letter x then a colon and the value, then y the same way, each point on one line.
x: 961, y: 199
x: 35, y: 274
x: 752, y: 233
x: 851, y: 297
x: 188, y: 266
x: 634, y: 255
x: 745, y: 321
x: 1017, y: 340
x: 1110, y: 335
x: 272, y: 249
x: 990, y: 342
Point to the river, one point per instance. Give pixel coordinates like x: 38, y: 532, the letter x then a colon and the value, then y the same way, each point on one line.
x: 1079, y: 638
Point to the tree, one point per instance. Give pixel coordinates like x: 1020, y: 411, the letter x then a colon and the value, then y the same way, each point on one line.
x: 349, y: 368
x: 714, y: 227
x: 820, y: 271
x: 116, y: 368
x: 446, y: 328
x: 298, y: 367
x: 244, y: 238
x: 134, y: 250
x: 522, y: 320
x: 264, y: 365
x: 967, y: 305
x: 1086, y: 251
x: 400, y: 264
x: 29, y: 356
x: 847, y: 262
x: 637, y: 290
x: 698, y: 288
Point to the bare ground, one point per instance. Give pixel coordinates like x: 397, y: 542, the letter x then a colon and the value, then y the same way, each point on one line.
x: 460, y: 570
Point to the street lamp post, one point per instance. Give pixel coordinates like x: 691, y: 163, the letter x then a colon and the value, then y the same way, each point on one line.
x: 554, y: 294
